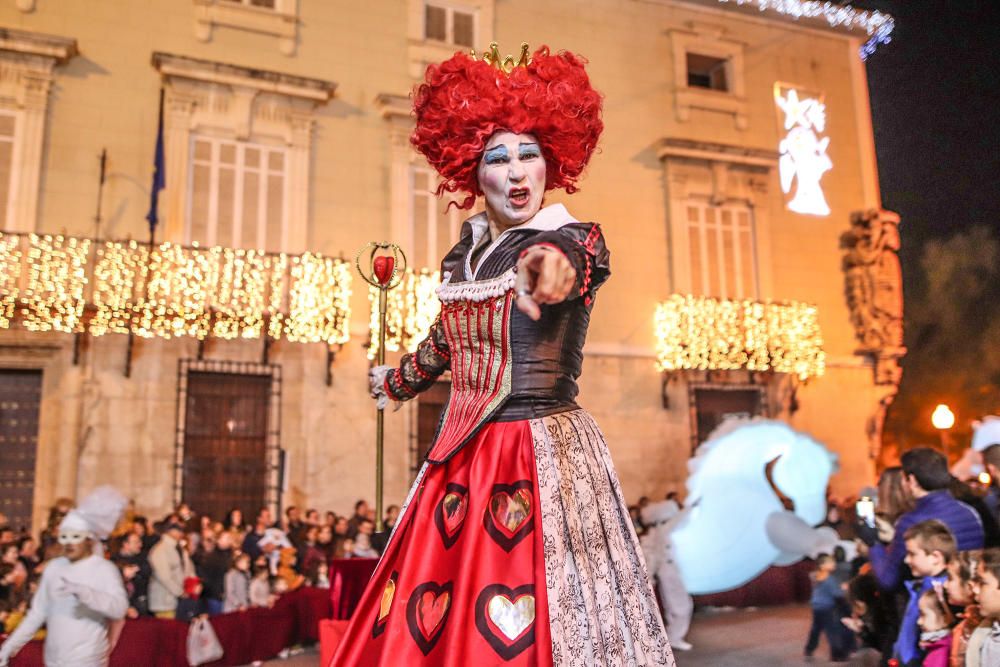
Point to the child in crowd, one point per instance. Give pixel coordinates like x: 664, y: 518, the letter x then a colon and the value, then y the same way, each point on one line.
x: 960, y: 592
x: 191, y: 605
x: 988, y: 578
x: 260, y: 585
x: 930, y: 546
x: 872, y: 617
x: 137, y: 601
x: 826, y: 597
x: 320, y: 577
x: 237, y: 584
x: 347, y: 549
x: 935, y: 623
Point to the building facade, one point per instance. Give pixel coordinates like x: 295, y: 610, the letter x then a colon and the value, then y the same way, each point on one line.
x: 753, y: 270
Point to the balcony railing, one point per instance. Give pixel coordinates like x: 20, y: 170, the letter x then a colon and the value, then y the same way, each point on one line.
x: 76, y: 285
x: 720, y: 334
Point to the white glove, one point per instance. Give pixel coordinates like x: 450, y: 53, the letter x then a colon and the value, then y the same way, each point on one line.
x: 376, y: 384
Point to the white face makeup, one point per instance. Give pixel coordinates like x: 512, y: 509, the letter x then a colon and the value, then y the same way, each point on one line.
x: 512, y: 177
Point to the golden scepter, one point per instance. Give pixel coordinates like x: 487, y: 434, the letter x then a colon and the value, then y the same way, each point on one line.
x: 385, y: 272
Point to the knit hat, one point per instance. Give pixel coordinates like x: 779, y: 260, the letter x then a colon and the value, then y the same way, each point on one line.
x: 190, y: 586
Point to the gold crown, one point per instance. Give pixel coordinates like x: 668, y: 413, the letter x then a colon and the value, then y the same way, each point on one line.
x: 505, y: 65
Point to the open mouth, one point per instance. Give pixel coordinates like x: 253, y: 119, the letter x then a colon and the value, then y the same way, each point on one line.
x: 519, y: 196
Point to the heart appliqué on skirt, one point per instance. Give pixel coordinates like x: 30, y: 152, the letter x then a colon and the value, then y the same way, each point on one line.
x: 385, y: 606
x: 512, y: 618
x: 509, y: 516
x: 449, y: 517
x: 427, y: 613
x: 505, y: 618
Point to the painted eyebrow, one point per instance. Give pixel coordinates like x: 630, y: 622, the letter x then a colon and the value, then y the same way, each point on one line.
x: 499, y: 149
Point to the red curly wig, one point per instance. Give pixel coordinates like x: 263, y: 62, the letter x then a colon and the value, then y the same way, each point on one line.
x: 463, y: 102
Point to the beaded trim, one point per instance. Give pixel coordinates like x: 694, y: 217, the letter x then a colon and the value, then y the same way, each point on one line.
x: 481, y: 290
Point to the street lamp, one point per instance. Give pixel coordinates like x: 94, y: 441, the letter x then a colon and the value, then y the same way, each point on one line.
x: 943, y: 419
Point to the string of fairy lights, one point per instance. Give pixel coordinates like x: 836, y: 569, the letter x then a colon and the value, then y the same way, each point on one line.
x: 877, y: 25
x: 702, y: 333
x: 410, y: 311
x: 62, y: 283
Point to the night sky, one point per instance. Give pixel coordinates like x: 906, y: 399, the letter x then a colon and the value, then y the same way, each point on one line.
x: 936, y: 113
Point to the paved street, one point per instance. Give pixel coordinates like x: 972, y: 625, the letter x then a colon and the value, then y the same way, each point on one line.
x: 771, y: 637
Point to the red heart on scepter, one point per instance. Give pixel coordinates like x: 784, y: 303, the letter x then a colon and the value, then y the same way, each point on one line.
x: 383, y: 267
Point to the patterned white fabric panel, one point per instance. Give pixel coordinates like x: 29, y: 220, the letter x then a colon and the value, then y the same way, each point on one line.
x: 602, y: 610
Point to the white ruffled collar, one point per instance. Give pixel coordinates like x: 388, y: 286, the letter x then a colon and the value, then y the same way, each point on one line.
x: 547, y: 219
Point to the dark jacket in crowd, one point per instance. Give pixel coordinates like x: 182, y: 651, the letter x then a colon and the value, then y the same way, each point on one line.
x: 212, y: 568
x: 962, y: 521
x: 141, y: 579
x: 991, y: 531
x: 250, y: 544
x: 188, y: 608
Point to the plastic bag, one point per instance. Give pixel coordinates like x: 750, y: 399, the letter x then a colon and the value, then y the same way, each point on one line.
x: 203, y: 644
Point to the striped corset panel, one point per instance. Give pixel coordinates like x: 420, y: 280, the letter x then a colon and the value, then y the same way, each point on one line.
x: 478, y: 334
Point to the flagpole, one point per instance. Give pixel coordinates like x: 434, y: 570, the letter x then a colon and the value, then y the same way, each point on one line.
x: 152, y: 217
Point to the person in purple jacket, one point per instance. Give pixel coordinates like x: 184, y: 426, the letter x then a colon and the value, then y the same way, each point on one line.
x: 926, y: 479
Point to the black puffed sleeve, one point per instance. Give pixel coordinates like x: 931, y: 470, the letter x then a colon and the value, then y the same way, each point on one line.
x: 583, y: 245
x: 418, y: 370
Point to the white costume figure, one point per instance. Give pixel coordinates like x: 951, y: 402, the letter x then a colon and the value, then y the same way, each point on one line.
x: 659, y: 519
x: 735, y: 525
x: 985, y: 433
x: 81, y: 594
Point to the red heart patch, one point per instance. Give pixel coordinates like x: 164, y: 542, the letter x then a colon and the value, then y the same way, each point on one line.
x: 449, y: 516
x: 509, y: 517
x: 510, y: 511
x: 383, y: 267
x: 430, y: 610
x: 427, y: 613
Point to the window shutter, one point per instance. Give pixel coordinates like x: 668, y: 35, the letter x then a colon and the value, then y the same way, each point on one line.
x: 464, y: 29
x: 435, y: 23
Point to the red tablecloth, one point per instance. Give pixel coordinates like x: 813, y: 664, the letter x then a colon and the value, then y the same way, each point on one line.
x: 254, y: 634
x: 775, y: 586
x: 348, y: 578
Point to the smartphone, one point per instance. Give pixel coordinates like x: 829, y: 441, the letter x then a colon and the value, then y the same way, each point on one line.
x: 865, y: 508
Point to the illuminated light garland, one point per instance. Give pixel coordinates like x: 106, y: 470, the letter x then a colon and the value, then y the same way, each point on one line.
x: 53, y: 299
x: 703, y: 333
x: 172, y: 291
x: 411, y: 309
x: 877, y: 26
x: 318, y: 310
x: 10, y: 261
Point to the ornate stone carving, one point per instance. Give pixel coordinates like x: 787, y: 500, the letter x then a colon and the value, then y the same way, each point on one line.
x: 874, y: 290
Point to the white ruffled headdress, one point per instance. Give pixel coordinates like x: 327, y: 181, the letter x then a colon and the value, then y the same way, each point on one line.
x: 98, y: 513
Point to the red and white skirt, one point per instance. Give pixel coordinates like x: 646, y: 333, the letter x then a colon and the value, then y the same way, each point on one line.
x: 517, y: 551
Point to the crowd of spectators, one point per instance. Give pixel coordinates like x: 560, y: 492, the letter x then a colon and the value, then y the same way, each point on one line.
x: 921, y: 585
x: 186, y: 564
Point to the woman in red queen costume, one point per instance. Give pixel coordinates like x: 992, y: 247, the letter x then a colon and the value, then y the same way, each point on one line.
x: 515, y: 546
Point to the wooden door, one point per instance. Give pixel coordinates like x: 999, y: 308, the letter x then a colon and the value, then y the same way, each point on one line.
x: 713, y: 405
x: 225, y: 443
x: 20, y: 401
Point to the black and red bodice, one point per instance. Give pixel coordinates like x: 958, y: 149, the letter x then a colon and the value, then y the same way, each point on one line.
x: 504, y: 366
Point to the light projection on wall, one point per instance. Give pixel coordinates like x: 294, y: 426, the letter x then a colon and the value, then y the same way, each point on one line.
x: 803, y: 149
